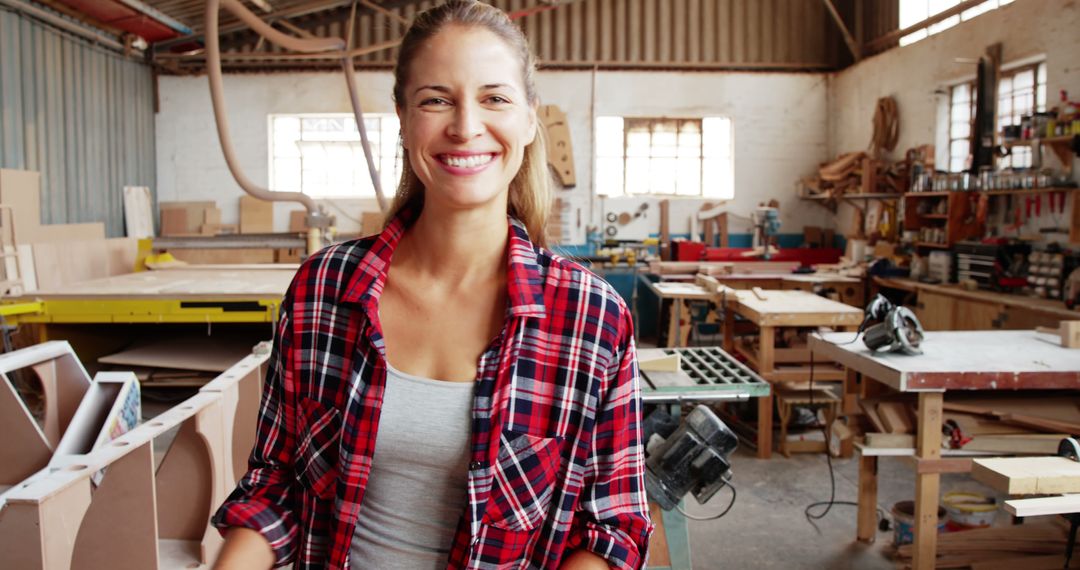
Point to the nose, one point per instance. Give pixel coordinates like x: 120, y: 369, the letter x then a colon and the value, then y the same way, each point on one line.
x: 467, y: 123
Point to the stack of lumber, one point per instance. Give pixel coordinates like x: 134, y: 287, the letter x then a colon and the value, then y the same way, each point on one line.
x: 1012, y: 425
x: 1032, y: 546
x: 858, y: 173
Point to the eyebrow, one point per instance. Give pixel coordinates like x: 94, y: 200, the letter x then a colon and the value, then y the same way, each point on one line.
x: 445, y: 89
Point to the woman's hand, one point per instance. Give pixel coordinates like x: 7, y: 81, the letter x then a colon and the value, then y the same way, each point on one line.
x: 246, y: 548
x: 584, y: 560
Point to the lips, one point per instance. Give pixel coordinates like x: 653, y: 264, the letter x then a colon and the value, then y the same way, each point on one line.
x: 466, y: 160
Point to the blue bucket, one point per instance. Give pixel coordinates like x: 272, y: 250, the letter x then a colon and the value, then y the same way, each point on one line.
x: 903, y: 514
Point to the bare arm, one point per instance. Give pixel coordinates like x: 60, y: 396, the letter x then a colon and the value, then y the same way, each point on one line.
x: 244, y: 548
x: 584, y: 560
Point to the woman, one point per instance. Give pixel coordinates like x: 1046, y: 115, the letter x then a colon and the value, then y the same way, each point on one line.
x: 448, y: 394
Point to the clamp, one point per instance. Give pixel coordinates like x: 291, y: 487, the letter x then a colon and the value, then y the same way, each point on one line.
x: 956, y: 436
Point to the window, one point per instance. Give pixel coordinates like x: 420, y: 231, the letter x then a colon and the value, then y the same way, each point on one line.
x: 961, y: 121
x: 914, y: 11
x: 1021, y: 91
x: 321, y: 155
x: 673, y: 157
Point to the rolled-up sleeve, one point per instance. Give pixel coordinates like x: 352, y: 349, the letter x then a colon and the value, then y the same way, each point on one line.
x: 264, y: 497
x: 612, y: 520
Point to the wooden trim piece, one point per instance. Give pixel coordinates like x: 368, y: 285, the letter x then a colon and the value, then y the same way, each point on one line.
x: 848, y: 39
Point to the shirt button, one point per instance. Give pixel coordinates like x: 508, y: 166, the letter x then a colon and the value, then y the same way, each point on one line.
x: 475, y: 465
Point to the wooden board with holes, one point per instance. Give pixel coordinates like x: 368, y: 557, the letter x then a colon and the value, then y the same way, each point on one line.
x: 1028, y: 475
x: 559, y: 150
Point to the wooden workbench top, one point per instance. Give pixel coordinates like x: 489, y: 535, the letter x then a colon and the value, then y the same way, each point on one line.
x: 962, y: 360
x: 181, y: 283
x: 793, y: 309
x: 1049, y: 306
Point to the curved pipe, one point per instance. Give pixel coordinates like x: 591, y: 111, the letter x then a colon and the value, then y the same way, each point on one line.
x: 213, y: 71
x: 309, y: 45
x: 358, y: 114
x: 313, y: 45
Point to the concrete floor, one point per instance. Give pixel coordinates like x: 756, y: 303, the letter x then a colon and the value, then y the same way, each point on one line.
x: 766, y: 528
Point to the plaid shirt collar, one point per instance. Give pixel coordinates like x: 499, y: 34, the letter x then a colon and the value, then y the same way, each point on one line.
x: 524, y: 283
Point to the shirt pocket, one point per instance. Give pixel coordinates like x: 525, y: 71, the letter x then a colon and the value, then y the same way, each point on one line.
x: 316, y: 463
x: 523, y: 481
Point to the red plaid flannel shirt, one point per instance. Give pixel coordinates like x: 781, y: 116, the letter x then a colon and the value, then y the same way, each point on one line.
x: 557, y: 458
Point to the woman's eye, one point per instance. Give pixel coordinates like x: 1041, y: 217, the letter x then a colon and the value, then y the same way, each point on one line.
x: 499, y: 99
x: 434, y: 101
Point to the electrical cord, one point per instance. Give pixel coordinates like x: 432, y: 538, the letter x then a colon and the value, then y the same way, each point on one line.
x: 811, y: 517
x: 712, y: 518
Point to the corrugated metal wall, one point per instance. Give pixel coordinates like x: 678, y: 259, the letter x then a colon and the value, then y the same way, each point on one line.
x: 81, y: 115
x: 683, y: 34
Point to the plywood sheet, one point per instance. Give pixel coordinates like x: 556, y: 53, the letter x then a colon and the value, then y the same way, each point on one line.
x: 1028, y: 475
x: 210, y: 354
x: 138, y: 212
x: 256, y: 216
x: 180, y: 284
x: 795, y: 302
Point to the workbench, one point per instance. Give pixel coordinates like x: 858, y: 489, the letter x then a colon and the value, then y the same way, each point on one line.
x: 194, y: 294
x: 680, y: 294
x: 848, y: 290
x: 951, y: 307
x: 101, y: 316
x: 951, y: 360
x: 778, y: 310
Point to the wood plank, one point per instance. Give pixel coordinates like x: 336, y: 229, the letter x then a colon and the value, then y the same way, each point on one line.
x: 1040, y: 506
x: 256, y: 216
x: 658, y: 544
x: 869, y: 408
x: 866, y: 524
x: 895, y: 417
x: 138, y: 212
x: 1028, y: 475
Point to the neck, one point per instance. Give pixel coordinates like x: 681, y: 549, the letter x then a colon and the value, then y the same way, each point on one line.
x: 458, y: 246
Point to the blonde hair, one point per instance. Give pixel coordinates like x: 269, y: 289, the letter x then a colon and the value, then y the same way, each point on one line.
x: 530, y: 190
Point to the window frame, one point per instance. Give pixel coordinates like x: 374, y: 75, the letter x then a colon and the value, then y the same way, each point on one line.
x: 723, y: 152
x: 1007, y: 72
x: 360, y: 166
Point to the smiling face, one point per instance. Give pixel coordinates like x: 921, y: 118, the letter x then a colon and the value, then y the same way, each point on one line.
x: 466, y: 118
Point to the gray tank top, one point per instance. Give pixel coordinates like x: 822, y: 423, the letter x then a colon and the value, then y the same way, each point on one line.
x: 417, y: 490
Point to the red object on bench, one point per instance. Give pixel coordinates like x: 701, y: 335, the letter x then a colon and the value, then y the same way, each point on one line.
x: 697, y: 251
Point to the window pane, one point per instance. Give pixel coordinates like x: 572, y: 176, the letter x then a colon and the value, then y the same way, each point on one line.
x: 689, y: 181
x: 609, y: 176
x: 960, y: 130
x: 637, y: 176
x: 321, y: 154
x: 287, y: 174
x: 662, y: 175
x: 637, y: 144
x: 609, y: 136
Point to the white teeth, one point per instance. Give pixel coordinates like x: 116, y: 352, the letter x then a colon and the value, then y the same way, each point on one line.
x: 471, y: 161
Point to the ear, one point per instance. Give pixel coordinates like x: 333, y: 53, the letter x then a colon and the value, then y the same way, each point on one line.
x: 401, y: 124
x: 534, y: 121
